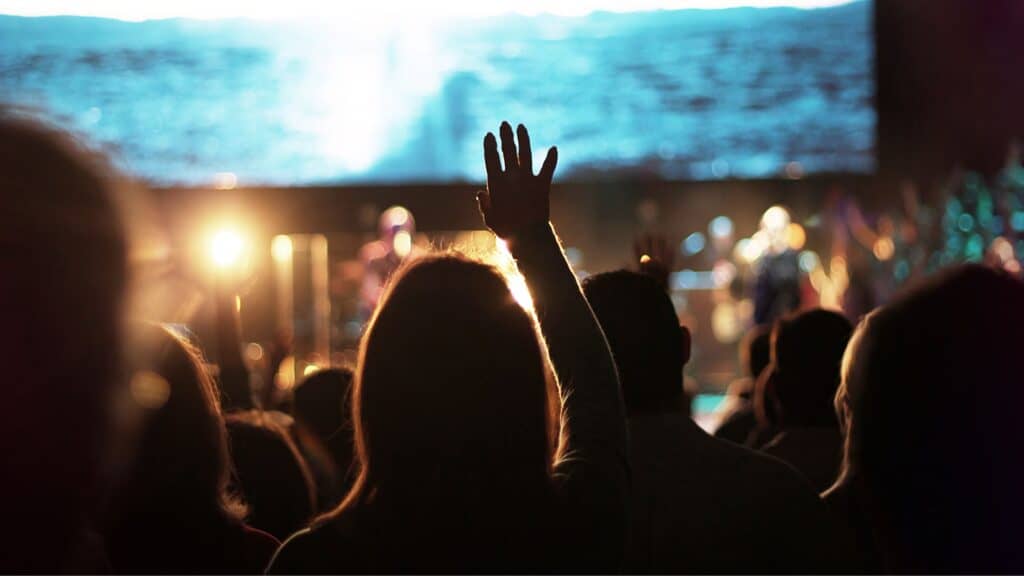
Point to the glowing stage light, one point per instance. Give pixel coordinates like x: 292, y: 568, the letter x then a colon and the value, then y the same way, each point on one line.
x: 693, y: 244
x: 775, y: 218
x: 720, y: 227
x: 402, y: 244
x: 795, y: 236
x: 226, y: 247
x: 310, y: 369
x: 254, y: 352
x: 884, y: 248
x: 281, y: 248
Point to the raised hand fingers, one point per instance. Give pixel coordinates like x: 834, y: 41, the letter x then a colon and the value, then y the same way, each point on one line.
x: 508, y: 147
x: 491, y: 161
x: 547, y: 169
x: 525, y: 153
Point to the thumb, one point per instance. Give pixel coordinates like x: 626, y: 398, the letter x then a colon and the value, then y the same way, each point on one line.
x: 483, y: 200
x: 547, y: 170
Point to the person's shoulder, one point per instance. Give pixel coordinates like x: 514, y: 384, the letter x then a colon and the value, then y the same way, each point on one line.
x: 766, y: 473
x: 796, y: 526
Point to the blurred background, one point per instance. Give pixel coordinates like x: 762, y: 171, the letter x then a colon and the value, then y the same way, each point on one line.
x: 848, y: 146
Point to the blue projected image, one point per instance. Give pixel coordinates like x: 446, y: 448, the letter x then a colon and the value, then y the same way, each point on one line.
x: 680, y: 93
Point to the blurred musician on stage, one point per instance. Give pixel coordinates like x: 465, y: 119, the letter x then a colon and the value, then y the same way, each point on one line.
x: 382, y: 257
x: 777, y: 291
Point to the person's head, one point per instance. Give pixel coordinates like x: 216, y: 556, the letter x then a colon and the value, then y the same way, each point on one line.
x: 321, y: 402
x: 270, y: 473
x: 933, y: 390
x: 649, y: 346
x: 64, y: 270
x: 755, y: 355
x: 452, y: 404
x: 807, y: 352
x: 181, y: 467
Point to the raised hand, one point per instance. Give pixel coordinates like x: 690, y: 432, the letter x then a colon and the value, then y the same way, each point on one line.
x: 515, y: 198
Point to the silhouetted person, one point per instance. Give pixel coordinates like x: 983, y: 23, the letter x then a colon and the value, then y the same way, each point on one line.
x: 699, y: 504
x: 931, y: 398
x: 766, y: 410
x: 171, y: 510
x: 323, y: 410
x: 63, y: 269
x: 807, y: 350
x: 455, y: 416
x: 777, y: 289
x: 740, y: 420
x: 271, y: 475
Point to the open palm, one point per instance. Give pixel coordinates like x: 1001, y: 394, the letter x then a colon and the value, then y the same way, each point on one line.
x: 515, y: 198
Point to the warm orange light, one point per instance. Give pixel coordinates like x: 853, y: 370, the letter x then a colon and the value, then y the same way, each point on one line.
x: 281, y: 248
x: 402, y: 244
x: 884, y: 248
x: 226, y: 248
x: 796, y: 237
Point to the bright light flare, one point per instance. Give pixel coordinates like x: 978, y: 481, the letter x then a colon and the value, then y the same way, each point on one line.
x: 520, y: 291
x: 402, y: 244
x: 226, y: 248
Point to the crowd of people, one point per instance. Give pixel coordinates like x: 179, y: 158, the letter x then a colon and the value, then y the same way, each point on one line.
x: 476, y: 435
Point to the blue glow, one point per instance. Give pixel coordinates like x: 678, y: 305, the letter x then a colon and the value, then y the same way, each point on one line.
x: 707, y: 403
x: 405, y: 99
x: 808, y: 261
x: 901, y: 271
x: 720, y: 227
x: 1017, y: 221
x: 975, y: 248
x: 693, y: 244
x: 692, y: 280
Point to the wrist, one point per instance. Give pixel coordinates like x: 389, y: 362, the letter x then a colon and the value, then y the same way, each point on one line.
x: 525, y: 233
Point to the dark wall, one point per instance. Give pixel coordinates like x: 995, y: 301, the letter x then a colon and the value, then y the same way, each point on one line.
x: 950, y: 84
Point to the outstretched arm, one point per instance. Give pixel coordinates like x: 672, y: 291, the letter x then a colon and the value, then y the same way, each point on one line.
x: 592, y: 464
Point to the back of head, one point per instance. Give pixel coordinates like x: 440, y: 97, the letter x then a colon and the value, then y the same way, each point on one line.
x: 64, y: 276
x: 452, y: 404
x: 807, y: 352
x: 177, y: 482
x: 270, y: 474
x: 322, y: 402
x: 644, y: 335
x: 935, y: 390
x: 756, y: 350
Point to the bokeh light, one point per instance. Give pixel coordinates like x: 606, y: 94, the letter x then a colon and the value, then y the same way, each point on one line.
x: 226, y: 248
x: 796, y: 237
x: 720, y: 227
x: 693, y: 244
x: 281, y: 248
